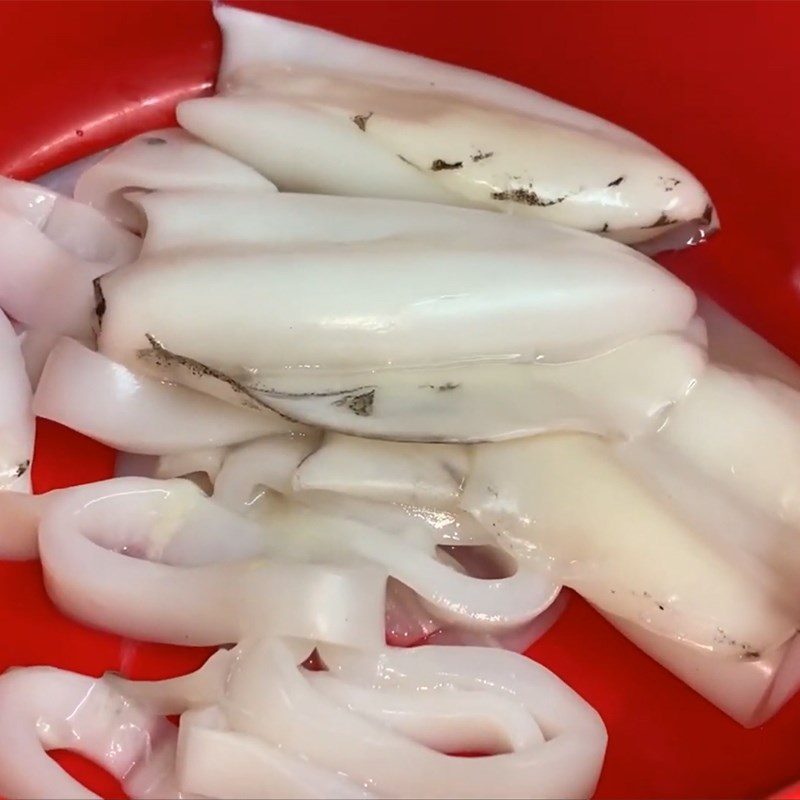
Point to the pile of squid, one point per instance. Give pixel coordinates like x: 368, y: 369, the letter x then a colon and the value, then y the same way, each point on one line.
x: 385, y: 376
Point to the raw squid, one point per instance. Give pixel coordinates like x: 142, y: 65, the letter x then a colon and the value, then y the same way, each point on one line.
x: 267, y: 463
x: 156, y: 560
x: 221, y: 573
x: 402, y: 540
x: 137, y: 414
x: 293, y: 104
x: 408, y: 540
x: 63, y: 179
x: 20, y: 512
x: 434, y: 338
x: 616, y: 521
x: 50, y: 709
x: 396, y: 472
x: 502, y: 602
x: 745, y: 432
x: 403, y: 418
x: 17, y: 426
x: 53, y: 249
x: 16, y: 417
x: 163, y: 159
x: 288, y: 732
x: 734, y: 345
x: 566, y: 498
x: 720, y: 619
x: 207, y: 461
x: 750, y: 691
x: 36, y: 345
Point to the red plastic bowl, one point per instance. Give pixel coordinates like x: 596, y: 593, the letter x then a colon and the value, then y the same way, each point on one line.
x: 714, y: 84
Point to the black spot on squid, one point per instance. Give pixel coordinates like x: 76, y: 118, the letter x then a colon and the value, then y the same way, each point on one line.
x: 439, y: 164
x: 99, y: 301
x: 360, y: 120
x: 528, y: 197
x: 442, y: 387
x: 360, y: 404
x: 661, y: 222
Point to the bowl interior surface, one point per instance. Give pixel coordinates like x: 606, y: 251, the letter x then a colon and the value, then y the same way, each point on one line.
x: 711, y: 83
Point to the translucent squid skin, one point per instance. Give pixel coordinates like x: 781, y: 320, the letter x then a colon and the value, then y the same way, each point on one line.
x: 291, y: 105
x: 732, y: 344
x: 21, y: 513
x: 43, y: 709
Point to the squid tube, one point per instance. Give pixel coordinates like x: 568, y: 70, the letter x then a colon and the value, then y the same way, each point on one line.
x: 566, y: 501
x: 409, y: 337
x: 292, y: 105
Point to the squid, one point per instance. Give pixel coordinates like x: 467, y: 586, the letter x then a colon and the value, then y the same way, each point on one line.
x: 43, y: 709
x: 137, y: 414
x: 564, y: 498
x: 446, y: 580
x: 207, y: 576
x: 54, y: 247
x: 444, y: 572
x: 17, y: 428
x: 401, y: 473
x: 16, y: 417
x: 416, y: 392
x: 318, y: 112
x: 403, y: 541
x: 735, y: 346
x: 161, y: 159
x: 53, y: 250
x: 287, y: 731
x: 689, y: 568
x: 155, y: 560
x: 20, y: 513
x: 437, y: 337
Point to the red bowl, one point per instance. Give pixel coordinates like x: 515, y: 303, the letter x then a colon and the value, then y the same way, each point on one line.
x: 712, y: 83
